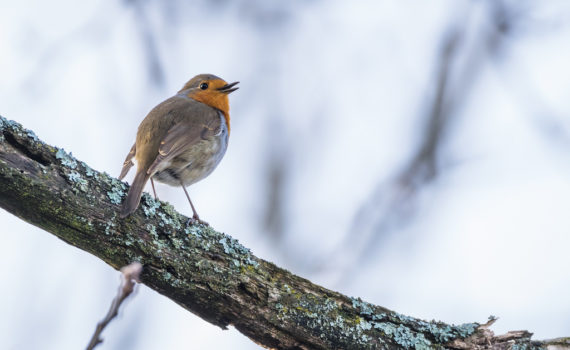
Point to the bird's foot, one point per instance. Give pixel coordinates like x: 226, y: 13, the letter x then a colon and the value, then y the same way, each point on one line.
x: 195, y: 220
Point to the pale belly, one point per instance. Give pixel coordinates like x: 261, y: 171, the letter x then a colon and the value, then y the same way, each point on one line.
x: 196, y: 163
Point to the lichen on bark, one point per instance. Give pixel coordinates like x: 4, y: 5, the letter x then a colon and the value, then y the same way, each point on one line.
x: 205, y: 271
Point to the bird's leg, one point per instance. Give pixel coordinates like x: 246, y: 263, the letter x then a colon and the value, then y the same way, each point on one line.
x: 153, y: 190
x: 195, y: 217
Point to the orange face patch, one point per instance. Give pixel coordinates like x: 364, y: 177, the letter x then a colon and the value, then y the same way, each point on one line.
x: 213, y: 98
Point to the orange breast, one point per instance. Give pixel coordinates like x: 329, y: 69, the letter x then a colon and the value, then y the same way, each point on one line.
x: 214, y: 98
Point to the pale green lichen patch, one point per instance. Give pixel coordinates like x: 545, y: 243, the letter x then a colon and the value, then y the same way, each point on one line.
x: 116, y: 183
x: 442, y: 333
x: 194, y: 230
x: 206, y: 245
x: 65, y: 159
x: 152, y: 230
x: 110, y: 226
x: 89, y: 172
x: 117, y: 192
x: 149, y: 205
x: 363, y: 307
x: 325, y: 317
x: 386, y: 327
x: 410, y: 332
x: 11, y: 124
x: 31, y: 135
x: 79, y: 182
x: 70, y: 165
x: 236, y: 250
x: 116, y: 195
x: 89, y: 222
x: 227, y: 248
x: 177, y: 243
x: 526, y: 344
x: 465, y: 330
x: 169, y: 209
x: 74, y: 176
x: 17, y: 128
x: 410, y: 339
x: 206, y: 266
x: 168, y: 221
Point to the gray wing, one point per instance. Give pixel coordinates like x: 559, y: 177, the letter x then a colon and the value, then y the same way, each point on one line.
x: 186, y: 133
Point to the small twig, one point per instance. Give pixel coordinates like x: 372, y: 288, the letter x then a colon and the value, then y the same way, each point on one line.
x: 130, y: 275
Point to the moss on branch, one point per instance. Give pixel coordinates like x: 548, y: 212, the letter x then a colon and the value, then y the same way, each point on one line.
x: 207, y: 272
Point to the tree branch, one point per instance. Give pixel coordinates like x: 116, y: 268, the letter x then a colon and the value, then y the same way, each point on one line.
x: 130, y: 275
x: 205, y: 271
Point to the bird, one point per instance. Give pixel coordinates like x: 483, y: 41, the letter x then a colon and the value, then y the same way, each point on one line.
x: 181, y: 140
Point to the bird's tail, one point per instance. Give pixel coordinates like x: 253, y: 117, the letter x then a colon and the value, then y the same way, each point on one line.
x: 134, y: 197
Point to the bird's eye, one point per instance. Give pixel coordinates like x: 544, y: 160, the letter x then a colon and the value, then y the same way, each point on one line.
x: 204, y: 86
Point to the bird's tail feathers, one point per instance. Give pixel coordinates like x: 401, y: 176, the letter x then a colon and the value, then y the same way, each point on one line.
x: 134, y: 197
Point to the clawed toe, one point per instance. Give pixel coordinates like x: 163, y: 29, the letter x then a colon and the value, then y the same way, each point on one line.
x: 196, y: 221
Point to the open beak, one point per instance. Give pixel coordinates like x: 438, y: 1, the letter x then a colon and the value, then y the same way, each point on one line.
x: 229, y: 88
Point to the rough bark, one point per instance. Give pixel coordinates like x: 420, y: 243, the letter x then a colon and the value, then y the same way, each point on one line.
x: 207, y: 272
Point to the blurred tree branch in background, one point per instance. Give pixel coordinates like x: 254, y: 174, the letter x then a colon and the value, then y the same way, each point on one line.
x: 148, y: 42
x: 207, y: 272
x: 465, y: 50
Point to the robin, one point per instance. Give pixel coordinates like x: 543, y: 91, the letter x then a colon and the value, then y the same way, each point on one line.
x: 182, y: 140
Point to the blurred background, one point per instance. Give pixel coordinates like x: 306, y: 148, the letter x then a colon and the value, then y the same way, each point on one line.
x: 415, y: 154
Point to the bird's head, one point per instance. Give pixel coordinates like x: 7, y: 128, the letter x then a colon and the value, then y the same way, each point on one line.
x: 210, y: 90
